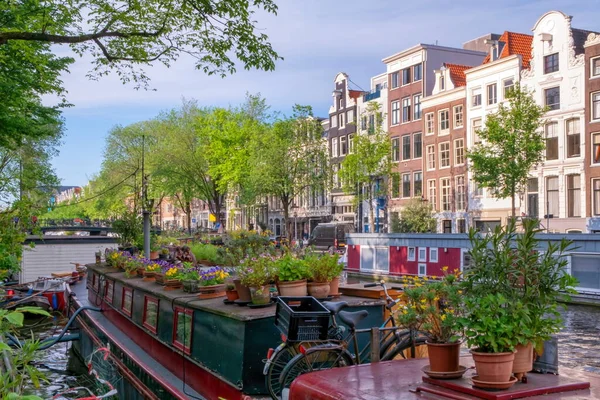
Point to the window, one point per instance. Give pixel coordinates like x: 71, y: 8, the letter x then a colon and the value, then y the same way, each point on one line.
x: 411, y: 254
x: 127, y: 301
x: 461, y: 194
x: 552, y: 96
x: 532, y: 198
x: 417, y: 145
x: 433, y: 254
x: 492, y: 94
x: 596, y: 148
x: 573, y: 196
x: 417, y: 106
x: 431, y: 193
x: 442, y: 83
x: 430, y: 157
x: 363, y: 123
x: 551, y: 63
x: 371, y: 124
x: 418, y: 183
x: 395, y: 185
x: 476, y: 97
x: 573, y: 138
x: 459, y: 151
x: 395, y: 82
x: 335, y: 172
x: 406, y: 109
x: 552, y: 195
x: 461, y: 226
x: 350, y: 117
x: 447, y: 226
x: 405, y: 185
x: 458, y: 117
x: 444, y: 121
x: 341, y: 117
x: 596, y: 106
x: 333, y: 121
x: 379, y: 118
x: 395, y: 112
x: 476, y: 128
x: 334, y: 147
x: 395, y: 149
x: 150, y: 318
x: 96, y: 283
x: 595, y: 67
x: 417, y: 72
x: 343, y: 145
x: 350, y: 143
x: 423, y: 254
x: 182, y: 329
x: 340, y: 103
x: 445, y: 185
x: 110, y: 291
x: 406, y: 76
x: 509, y: 84
x: 444, y: 154
x: 429, y: 123
x: 422, y: 270
x: 551, y: 141
x: 596, y: 199
x: 406, y: 147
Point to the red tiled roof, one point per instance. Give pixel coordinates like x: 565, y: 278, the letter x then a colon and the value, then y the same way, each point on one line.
x: 515, y: 43
x: 457, y: 73
x: 355, y: 94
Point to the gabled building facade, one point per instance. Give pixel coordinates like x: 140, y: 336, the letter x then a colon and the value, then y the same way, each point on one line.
x: 592, y: 131
x: 556, y: 77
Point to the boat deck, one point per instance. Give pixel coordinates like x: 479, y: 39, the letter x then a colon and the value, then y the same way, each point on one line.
x: 396, y: 379
x: 173, y: 384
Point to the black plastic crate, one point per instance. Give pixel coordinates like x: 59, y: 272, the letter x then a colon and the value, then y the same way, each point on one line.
x: 302, y: 318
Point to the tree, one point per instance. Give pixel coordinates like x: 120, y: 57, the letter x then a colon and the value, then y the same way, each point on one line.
x: 290, y: 158
x: 363, y: 170
x: 512, y: 143
x: 416, y: 217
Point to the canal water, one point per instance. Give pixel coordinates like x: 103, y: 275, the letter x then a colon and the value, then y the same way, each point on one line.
x: 579, y: 348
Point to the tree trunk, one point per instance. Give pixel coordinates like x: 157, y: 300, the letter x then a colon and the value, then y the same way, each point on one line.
x: 188, y: 210
x: 286, y: 214
x: 513, y: 202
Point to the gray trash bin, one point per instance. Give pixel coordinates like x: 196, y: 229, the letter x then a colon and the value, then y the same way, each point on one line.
x: 547, y: 363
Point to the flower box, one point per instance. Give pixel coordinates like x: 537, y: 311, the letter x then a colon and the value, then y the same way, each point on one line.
x: 211, y: 292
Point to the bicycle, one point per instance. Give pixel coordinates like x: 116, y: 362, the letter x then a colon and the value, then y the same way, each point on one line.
x: 391, y: 341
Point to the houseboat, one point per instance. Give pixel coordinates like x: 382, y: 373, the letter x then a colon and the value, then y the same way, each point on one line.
x: 168, y: 344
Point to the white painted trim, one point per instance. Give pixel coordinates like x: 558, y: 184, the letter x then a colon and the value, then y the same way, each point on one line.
x: 432, y: 251
x: 419, y: 269
x: 424, y: 258
x: 414, y: 256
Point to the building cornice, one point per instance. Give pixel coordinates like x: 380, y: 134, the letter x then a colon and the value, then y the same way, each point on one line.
x: 422, y: 46
x: 592, y: 39
x: 444, y: 97
x: 492, y: 64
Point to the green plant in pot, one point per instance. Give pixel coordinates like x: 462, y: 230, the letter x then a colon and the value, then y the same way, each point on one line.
x: 131, y: 266
x: 190, y: 277
x: 292, y: 273
x: 256, y: 273
x: 231, y: 292
x: 322, y: 268
x: 154, y: 247
x: 434, y: 310
x: 129, y: 229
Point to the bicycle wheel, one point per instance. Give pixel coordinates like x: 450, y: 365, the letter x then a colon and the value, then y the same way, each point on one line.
x: 317, y: 360
x: 405, y: 343
x: 276, y: 366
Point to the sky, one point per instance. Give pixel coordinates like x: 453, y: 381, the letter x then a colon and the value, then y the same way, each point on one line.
x: 316, y: 38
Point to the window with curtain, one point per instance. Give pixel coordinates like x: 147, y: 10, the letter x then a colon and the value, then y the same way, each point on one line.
x: 574, y: 195
x: 552, y: 196
x: 551, y: 141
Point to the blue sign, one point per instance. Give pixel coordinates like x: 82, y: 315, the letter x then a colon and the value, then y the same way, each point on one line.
x: 193, y: 220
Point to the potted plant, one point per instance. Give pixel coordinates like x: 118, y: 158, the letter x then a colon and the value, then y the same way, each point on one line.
x: 230, y: 292
x: 336, y: 271
x: 212, y: 283
x: 190, y: 278
x: 150, y: 270
x: 292, y: 273
x: 172, y: 278
x: 206, y: 254
x: 163, y: 253
x: 154, y: 248
x: 129, y: 228
x: 321, y: 269
x: 256, y: 273
x: 131, y: 266
x: 434, y: 309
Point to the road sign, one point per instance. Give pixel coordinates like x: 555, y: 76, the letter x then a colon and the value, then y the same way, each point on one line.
x: 193, y: 220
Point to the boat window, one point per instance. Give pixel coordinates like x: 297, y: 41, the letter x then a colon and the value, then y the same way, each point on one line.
x: 182, y: 329
x: 150, y: 313
x: 127, y: 302
x: 96, y: 282
x: 109, y: 291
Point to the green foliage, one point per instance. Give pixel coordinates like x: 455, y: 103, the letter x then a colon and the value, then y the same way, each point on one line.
x: 256, y: 271
x: 206, y: 252
x: 129, y: 228
x: 323, y: 267
x: 366, y: 166
x: 509, y: 264
x: 291, y: 268
x: 433, y: 308
x: 15, y: 224
x: 416, y: 217
x: 512, y: 143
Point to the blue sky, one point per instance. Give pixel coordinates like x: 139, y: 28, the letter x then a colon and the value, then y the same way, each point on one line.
x: 317, y: 38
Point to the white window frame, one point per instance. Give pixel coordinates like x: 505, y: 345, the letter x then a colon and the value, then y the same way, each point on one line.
x: 592, y: 61
x: 594, y: 117
x: 462, y: 116
x: 424, y: 253
x: 414, y: 253
x: 432, y: 251
x: 342, y: 117
x: 396, y: 112
x: 343, y: 139
x: 441, y: 130
x: 429, y: 124
x: 506, y: 87
x: 407, y: 103
x: 495, y: 90
x: 441, y: 152
x: 419, y: 269
x: 416, y: 117
x: 456, y: 148
x: 427, y: 152
x: 476, y: 92
x: 396, y: 157
x: 334, y: 147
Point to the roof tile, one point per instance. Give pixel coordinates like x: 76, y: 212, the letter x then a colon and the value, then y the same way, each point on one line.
x: 457, y: 73
x: 515, y: 43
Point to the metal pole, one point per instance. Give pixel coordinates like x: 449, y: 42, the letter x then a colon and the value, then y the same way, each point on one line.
x: 145, y: 212
x: 295, y: 227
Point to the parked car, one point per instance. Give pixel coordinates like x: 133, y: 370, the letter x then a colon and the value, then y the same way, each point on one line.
x: 330, y: 236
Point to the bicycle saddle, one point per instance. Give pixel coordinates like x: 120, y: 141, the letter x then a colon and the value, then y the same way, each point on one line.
x: 352, y: 318
x: 335, y: 306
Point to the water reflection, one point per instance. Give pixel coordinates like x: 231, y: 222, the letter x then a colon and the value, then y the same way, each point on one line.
x: 579, y: 340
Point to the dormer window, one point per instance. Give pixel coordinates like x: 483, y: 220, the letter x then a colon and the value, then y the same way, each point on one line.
x: 551, y: 63
x: 442, y: 83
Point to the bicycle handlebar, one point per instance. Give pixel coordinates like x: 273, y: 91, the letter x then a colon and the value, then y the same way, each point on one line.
x: 370, y: 285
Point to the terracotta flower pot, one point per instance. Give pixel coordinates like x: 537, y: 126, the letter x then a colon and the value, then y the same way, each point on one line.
x: 149, y: 276
x: 292, y: 288
x: 172, y: 284
x: 260, y: 294
x: 211, y: 291
x: 154, y: 255
x: 191, y: 286
x: 523, y: 360
x: 319, y: 290
x: 334, y: 286
x: 140, y: 271
x: 232, y: 295
x: 159, y: 278
x: 493, y: 367
x: 243, y: 291
x: 443, y: 357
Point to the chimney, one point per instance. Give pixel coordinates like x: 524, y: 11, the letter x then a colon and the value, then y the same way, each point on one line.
x: 493, y: 44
